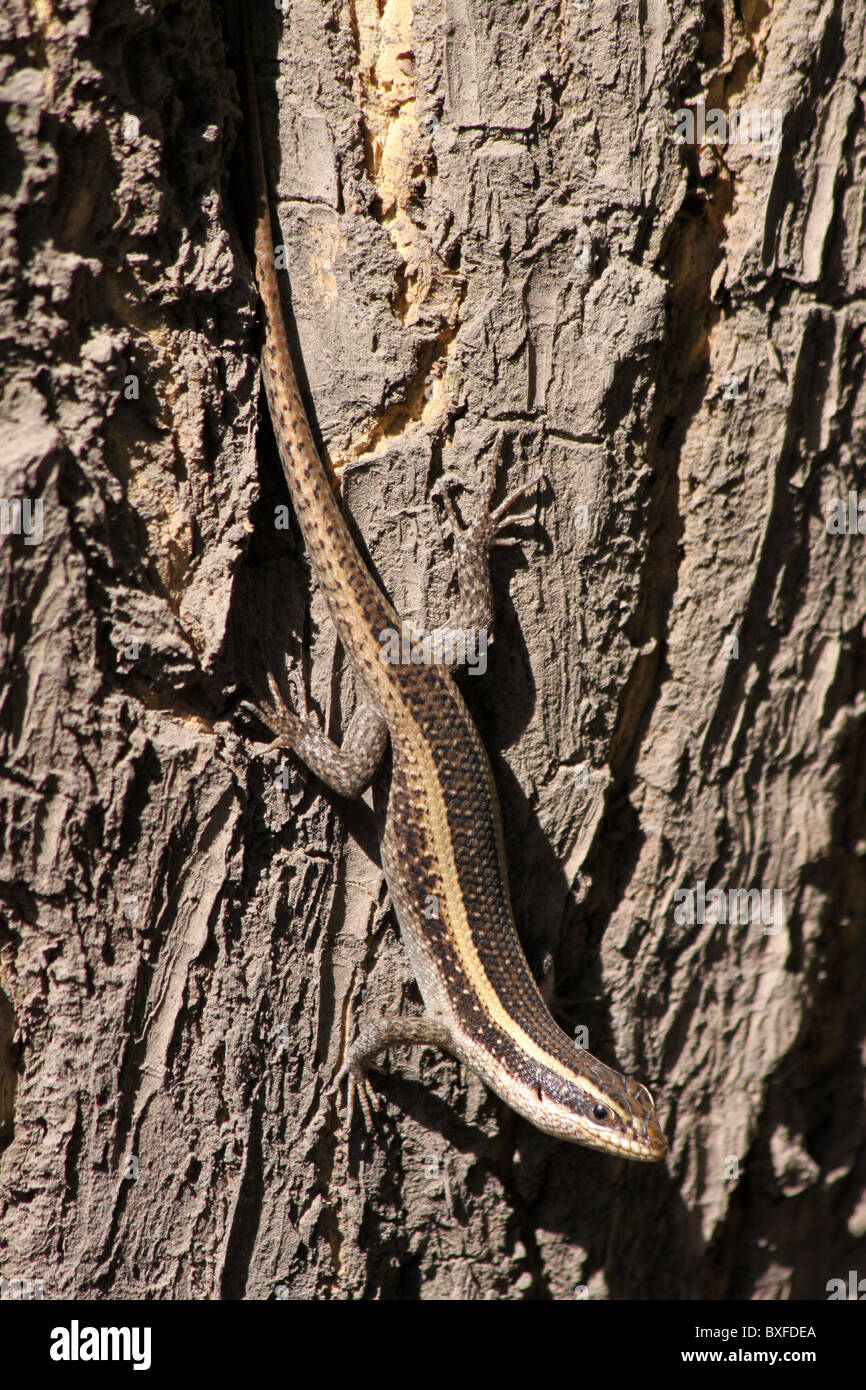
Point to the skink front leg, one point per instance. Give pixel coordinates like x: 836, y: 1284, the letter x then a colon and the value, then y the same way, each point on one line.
x: 346, y: 769
x: 374, y: 1038
x: 473, y: 544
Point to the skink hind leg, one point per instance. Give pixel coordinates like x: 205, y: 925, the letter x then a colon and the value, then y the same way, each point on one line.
x: 473, y: 544
x: 374, y: 1038
x: 347, y: 769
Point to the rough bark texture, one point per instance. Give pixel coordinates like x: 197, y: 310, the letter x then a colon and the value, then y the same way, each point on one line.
x: 489, y: 222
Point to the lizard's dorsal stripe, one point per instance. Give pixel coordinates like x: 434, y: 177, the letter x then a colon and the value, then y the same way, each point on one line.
x: 500, y: 1014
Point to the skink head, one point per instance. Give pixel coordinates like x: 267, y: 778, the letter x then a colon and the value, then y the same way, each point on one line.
x: 599, y: 1108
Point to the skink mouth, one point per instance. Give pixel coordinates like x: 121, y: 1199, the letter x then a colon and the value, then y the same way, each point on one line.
x: 655, y: 1144
x: 647, y: 1148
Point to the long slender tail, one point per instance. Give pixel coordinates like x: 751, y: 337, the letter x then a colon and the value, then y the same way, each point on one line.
x: 281, y: 384
x: 357, y: 605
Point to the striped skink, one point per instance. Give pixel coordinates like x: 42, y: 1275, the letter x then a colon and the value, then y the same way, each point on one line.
x: 441, y: 835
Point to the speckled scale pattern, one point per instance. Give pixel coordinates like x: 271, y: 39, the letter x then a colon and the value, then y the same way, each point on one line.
x: 441, y: 836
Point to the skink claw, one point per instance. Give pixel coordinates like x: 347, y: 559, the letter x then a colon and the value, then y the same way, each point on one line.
x: 485, y: 530
x: 358, y: 1084
x: 276, y: 715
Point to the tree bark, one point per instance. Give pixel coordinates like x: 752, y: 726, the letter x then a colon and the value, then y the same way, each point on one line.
x: 633, y: 239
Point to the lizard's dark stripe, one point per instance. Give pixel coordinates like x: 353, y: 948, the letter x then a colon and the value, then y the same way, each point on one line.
x: 499, y: 978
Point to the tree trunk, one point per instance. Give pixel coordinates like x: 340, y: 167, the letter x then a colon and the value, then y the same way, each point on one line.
x: 631, y: 237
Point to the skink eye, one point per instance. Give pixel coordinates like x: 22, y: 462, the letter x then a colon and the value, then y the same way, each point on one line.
x: 599, y: 1111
